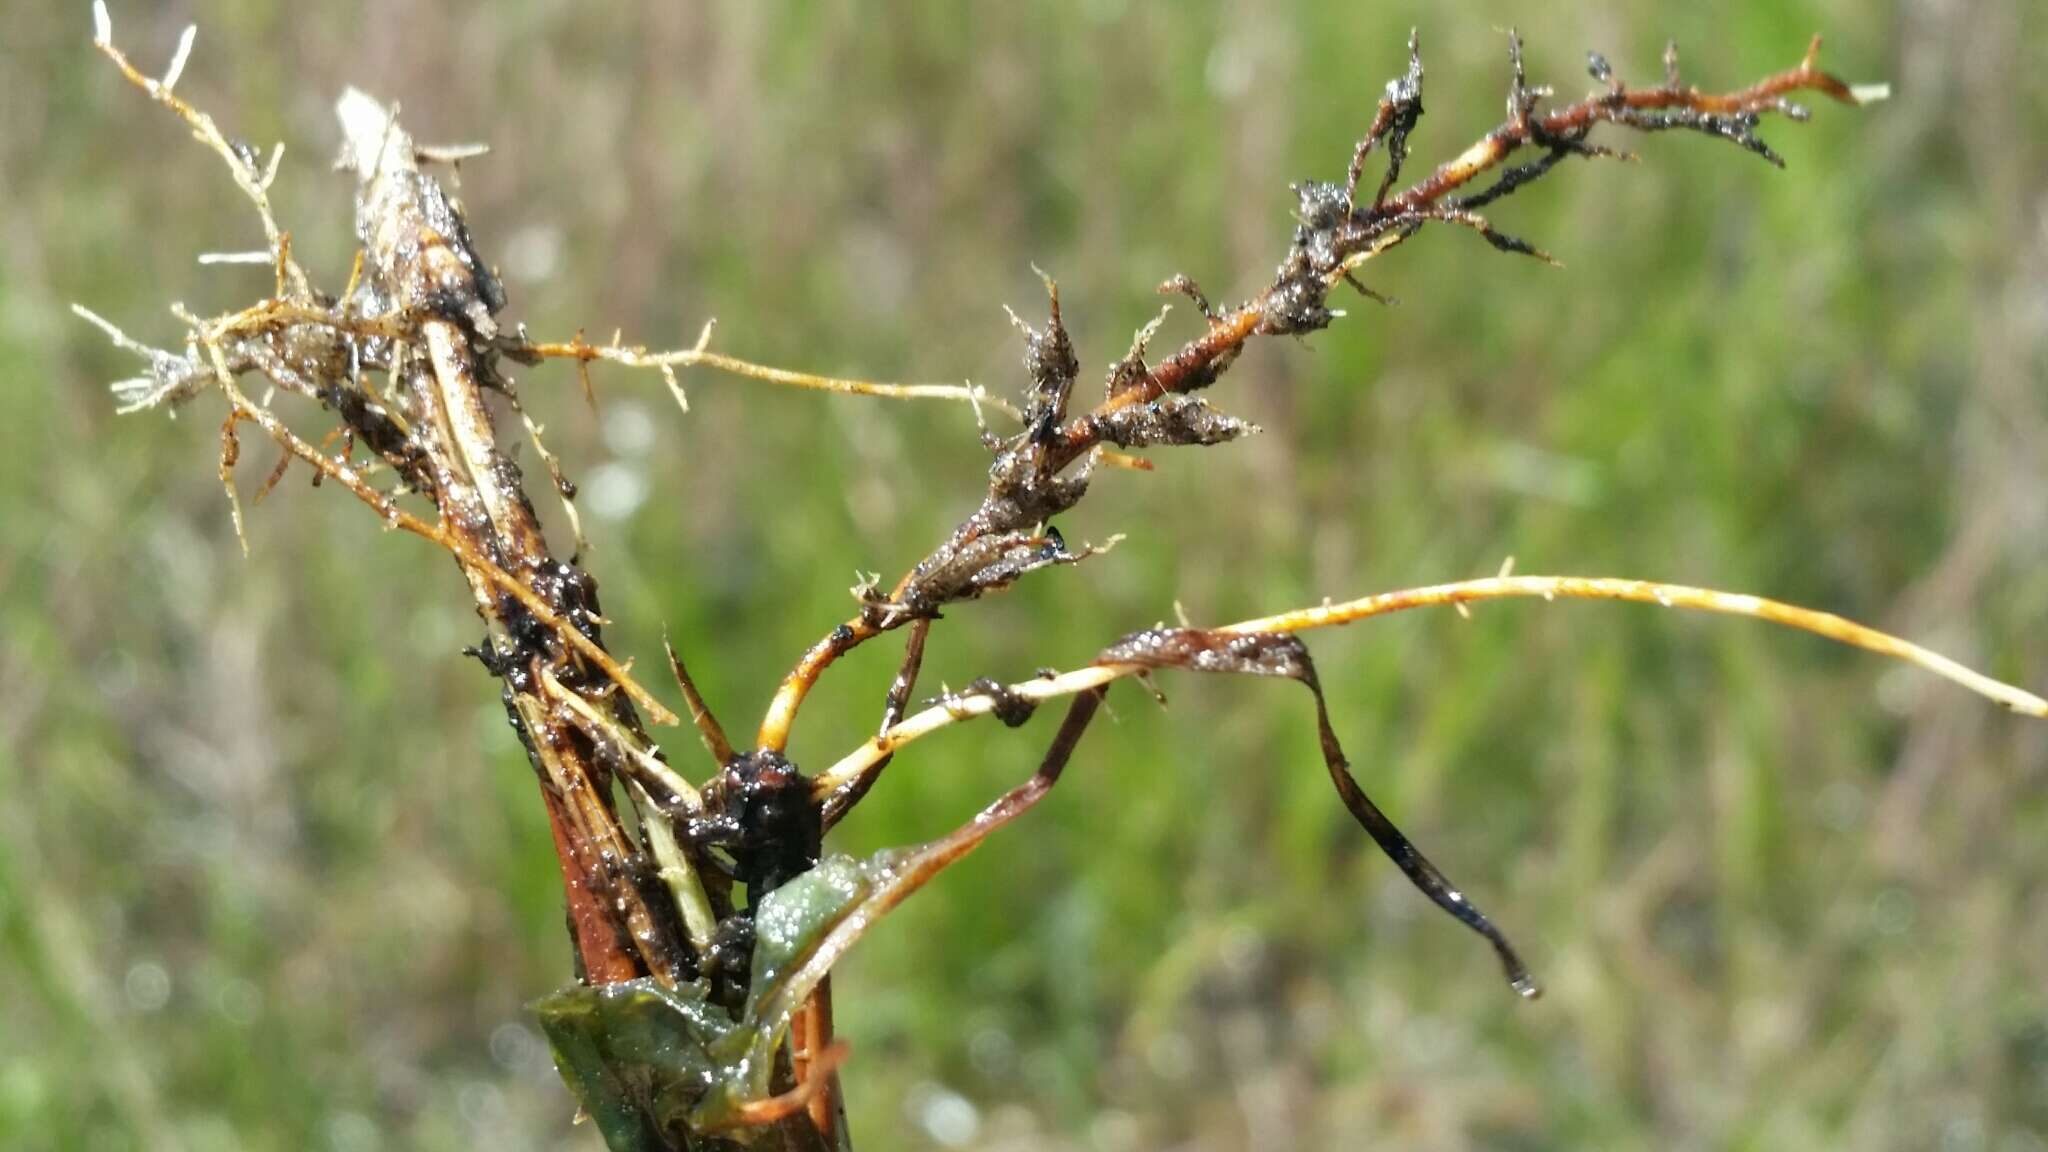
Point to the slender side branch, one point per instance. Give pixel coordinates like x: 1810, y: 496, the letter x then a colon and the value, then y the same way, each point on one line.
x: 701, y: 356
x: 708, y: 728
x: 1825, y: 624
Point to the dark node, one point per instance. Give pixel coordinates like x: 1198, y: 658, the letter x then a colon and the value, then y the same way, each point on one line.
x: 530, y: 636
x: 1322, y: 204
x: 1013, y: 710
x: 760, y: 811
x: 1200, y: 650
x: 575, y: 593
x: 728, y: 962
x: 1173, y: 419
x: 1295, y: 306
x: 518, y: 347
x: 513, y: 665
x: 487, y: 654
x: 1049, y: 358
x: 603, y: 754
x: 246, y: 153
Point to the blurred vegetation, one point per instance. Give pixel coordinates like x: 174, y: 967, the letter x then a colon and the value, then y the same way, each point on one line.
x: 272, y: 873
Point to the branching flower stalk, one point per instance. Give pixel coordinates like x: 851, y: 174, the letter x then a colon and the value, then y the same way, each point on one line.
x: 706, y: 917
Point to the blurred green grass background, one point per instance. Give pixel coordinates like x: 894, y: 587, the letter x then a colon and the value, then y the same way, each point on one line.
x: 272, y: 873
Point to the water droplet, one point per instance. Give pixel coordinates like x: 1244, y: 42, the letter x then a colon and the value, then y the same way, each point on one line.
x: 629, y: 429
x: 1230, y: 70
x: 533, y: 253
x: 949, y: 1118
x: 481, y: 1105
x: 148, y: 986
x: 513, y: 1047
x: 238, y: 1001
x: 614, y: 491
x: 1526, y: 986
x: 993, y: 1052
x: 352, y: 1132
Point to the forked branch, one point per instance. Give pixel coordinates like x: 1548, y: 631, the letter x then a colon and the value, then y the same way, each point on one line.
x: 1268, y: 647
x: 1044, y: 471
